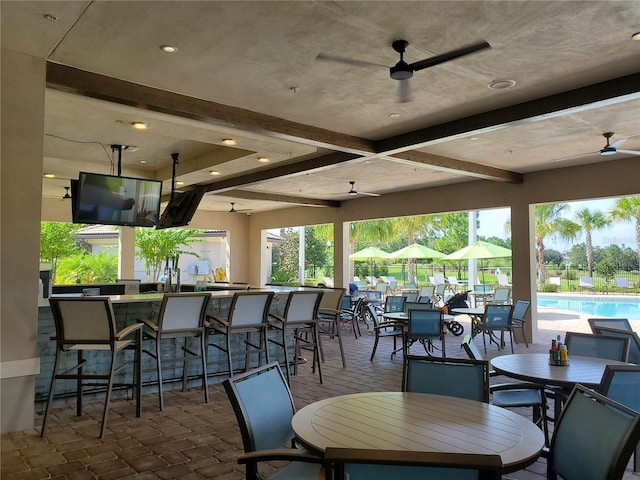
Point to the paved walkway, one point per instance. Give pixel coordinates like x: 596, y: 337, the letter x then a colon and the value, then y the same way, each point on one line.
x: 194, y: 440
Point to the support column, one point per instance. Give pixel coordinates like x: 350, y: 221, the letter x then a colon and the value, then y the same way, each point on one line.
x: 22, y: 83
x: 127, y: 253
x: 341, y: 254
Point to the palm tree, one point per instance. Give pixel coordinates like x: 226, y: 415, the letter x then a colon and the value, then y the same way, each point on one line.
x: 549, y: 222
x: 589, y: 221
x: 372, y: 232
x: 410, y: 226
x: 628, y: 208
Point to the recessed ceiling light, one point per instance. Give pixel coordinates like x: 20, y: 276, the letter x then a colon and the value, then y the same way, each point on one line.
x: 140, y: 125
x: 169, y: 49
x: 263, y: 159
x: 394, y: 115
x: 474, y: 138
x: 229, y: 141
x: 214, y: 173
x: 49, y: 175
x: 179, y: 182
x: 636, y: 36
x: 143, y: 161
x: 501, y: 84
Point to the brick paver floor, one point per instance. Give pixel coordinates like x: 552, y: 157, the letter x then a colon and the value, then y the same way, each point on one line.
x: 194, y: 440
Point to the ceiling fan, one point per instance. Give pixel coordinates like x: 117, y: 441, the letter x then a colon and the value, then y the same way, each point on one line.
x: 607, y: 150
x: 354, y: 191
x: 403, y: 71
x: 234, y: 210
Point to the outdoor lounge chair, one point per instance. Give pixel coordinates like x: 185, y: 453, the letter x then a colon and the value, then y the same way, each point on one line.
x: 622, y: 284
x: 586, y: 283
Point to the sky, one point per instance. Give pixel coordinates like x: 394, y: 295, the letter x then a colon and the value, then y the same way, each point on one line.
x: 492, y: 224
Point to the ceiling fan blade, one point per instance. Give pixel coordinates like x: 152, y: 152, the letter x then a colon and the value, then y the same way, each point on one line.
x: 445, y: 57
x: 403, y: 91
x: 369, y: 194
x: 629, y: 152
x: 327, y: 57
x: 619, y: 143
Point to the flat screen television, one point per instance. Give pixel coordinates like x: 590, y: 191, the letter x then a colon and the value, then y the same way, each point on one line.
x: 112, y: 200
x: 181, y: 208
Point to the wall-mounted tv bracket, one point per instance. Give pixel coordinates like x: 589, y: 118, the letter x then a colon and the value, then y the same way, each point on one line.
x: 118, y: 148
x: 174, y: 157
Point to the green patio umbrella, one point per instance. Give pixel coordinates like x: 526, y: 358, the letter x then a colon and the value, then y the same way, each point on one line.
x: 415, y: 250
x: 481, y: 250
x: 369, y: 253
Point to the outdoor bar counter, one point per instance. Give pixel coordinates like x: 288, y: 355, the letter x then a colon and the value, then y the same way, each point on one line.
x: 129, y: 309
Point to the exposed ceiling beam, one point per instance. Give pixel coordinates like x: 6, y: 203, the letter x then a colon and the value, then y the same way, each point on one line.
x: 311, y: 202
x: 609, y: 92
x: 80, y: 82
x: 290, y: 169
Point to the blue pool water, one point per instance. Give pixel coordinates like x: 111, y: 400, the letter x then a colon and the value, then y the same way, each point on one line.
x: 600, y: 306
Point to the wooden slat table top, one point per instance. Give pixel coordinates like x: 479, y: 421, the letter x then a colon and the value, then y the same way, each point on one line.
x: 419, y: 422
x: 534, y: 367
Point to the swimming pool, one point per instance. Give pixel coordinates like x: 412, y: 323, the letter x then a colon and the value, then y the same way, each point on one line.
x: 598, y: 306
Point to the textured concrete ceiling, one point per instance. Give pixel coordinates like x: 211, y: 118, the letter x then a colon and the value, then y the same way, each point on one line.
x: 248, y: 70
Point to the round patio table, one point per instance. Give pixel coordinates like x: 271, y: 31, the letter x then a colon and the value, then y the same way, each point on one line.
x: 534, y: 367
x: 419, y: 422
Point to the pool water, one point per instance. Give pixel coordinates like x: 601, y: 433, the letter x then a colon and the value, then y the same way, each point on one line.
x: 600, y: 306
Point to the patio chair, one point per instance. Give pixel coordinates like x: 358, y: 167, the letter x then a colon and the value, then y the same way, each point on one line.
x: 182, y: 316
x: 514, y: 395
x: 87, y: 324
x: 301, y: 318
x: 248, y: 314
x: 330, y: 319
x: 394, y: 303
x: 410, y: 286
x: 481, y: 293
x: 621, y: 383
x: 427, y: 293
x: 328, y: 281
x: 593, y: 438
x: 424, y: 326
x: 497, y: 318
x: 410, y: 296
x: 438, y: 279
x: 455, y: 377
x: 350, y: 312
x: 383, y: 288
x: 501, y: 295
x: 371, y: 464
x: 585, y: 283
x: 384, y: 329
x: 634, y: 341
x: 503, y: 280
x: 518, y: 320
x: 439, y: 294
x: 554, y: 281
x: 617, y: 323
x: 263, y: 405
x: 597, y: 346
x: 622, y: 284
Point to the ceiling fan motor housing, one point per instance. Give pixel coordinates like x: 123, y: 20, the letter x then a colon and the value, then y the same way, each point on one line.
x: 401, y: 71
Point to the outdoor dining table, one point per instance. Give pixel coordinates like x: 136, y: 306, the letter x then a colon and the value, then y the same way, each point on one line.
x: 535, y: 368
x: 419, y: 422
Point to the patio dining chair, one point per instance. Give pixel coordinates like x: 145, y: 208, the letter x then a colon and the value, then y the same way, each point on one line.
x: 514, y: 395
x: 263, y: 405
x: 597, y: 346
x: 501, y: 295
x: 497, y: 318
x: 634, y: 341
x: 617, y: 323
x: 87, y: 324
x: 382, y: 329
x: 371, y: 464
x: 621, y: 383
x: 455, y: 377
x: 424, y: 326
x: 599, y: 448
x: 518, y: 320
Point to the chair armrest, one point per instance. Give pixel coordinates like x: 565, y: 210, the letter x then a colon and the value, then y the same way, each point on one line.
x: 151, y: 325
x: 288, y: 454
x: 128, y: 330
x: 390, y: 325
